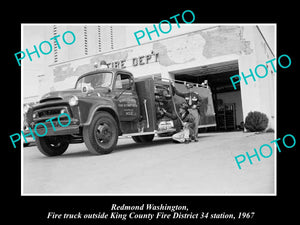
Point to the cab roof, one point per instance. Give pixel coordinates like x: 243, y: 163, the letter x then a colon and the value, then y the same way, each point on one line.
x: 114, y: 70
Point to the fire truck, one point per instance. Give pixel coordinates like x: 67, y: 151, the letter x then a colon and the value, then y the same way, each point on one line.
x: 108, y: 103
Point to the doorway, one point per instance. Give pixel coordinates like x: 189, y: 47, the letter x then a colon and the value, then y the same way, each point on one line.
x: 227, y: 101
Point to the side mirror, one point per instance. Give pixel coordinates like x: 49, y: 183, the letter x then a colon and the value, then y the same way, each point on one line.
x: 87, y: 89
x: 129, y: 87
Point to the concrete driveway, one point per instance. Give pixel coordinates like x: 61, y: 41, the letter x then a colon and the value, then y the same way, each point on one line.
x: 159, y: 168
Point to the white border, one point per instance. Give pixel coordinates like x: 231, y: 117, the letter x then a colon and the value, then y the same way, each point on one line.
x: 118, y: 194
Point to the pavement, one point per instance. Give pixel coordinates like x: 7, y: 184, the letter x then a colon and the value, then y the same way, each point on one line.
x: 161, y: 167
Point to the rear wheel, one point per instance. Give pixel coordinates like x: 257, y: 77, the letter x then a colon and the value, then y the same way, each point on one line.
x: 101, y: 136
x: 52, y: 145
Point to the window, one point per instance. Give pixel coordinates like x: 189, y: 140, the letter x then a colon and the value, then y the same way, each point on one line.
x: 123, y: 81
x: 95, y: 80
x: 55, y: 44
x: 85, y: 33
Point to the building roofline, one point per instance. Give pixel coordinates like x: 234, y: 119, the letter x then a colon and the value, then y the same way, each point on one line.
x: 265, y: 40
x: 161, y: 39
x: 132, y: 46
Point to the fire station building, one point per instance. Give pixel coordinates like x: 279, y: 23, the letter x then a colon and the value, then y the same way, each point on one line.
x: 213, y: 53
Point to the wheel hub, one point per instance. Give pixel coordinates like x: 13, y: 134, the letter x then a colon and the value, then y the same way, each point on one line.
x: 104, y: 133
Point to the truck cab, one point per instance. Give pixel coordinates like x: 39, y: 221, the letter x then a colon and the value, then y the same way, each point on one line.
x: 103, y: 105
x: 114, y: 86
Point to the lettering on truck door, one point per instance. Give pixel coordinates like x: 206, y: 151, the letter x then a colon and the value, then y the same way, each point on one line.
x: 127, y: 102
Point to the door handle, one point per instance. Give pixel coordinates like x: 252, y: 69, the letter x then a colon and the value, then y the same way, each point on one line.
x: 147, y: 116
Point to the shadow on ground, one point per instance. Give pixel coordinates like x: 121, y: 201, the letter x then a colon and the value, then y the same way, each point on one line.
x: 124, y: 147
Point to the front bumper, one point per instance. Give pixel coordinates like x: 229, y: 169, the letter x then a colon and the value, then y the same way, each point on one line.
x: 55, y: 130
x: 51, y: 111
x: 70, y: 130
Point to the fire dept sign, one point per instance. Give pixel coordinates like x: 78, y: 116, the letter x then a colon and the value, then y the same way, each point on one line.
x: 136, y: 61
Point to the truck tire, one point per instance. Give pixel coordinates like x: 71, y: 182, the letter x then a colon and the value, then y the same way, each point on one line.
x: 52, y: 145
x: 101, y: 136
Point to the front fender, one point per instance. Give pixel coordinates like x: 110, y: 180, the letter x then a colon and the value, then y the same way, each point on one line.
x: 88, y: 107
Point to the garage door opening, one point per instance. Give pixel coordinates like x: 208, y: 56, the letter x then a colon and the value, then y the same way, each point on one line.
x: 227, y: 101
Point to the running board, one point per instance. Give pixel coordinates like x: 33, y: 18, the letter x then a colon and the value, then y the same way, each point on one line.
x: 147, y: 133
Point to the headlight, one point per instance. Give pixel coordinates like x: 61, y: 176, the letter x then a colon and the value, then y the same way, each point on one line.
x: 73, y: 101
x: 63, y: 111
x: 34, y: 115
x: 26, y: 108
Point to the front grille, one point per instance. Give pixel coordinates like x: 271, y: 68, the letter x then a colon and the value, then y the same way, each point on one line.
x: 49, y: 112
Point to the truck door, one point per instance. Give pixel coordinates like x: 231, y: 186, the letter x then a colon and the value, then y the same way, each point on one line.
x: 145, y: 91
x: 127, y: 102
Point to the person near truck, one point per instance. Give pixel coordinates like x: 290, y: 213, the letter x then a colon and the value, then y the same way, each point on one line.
x: 193, y: 101
x: 188, y: 122
x: 166, y: 110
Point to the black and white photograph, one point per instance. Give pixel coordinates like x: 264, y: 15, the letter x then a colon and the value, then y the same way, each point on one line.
x: 120, y: 113
x: 149, y: 109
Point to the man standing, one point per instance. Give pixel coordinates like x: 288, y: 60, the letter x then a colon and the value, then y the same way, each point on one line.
x: 193, y: 101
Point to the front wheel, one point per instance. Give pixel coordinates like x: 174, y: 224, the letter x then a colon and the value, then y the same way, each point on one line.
x: 101, y: 136
x: 52, y: 145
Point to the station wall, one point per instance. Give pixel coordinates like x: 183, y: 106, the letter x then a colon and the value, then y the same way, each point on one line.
x: 185, y: 52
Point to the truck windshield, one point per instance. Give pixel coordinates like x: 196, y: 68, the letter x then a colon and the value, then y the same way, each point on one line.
x: 95, y: 80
